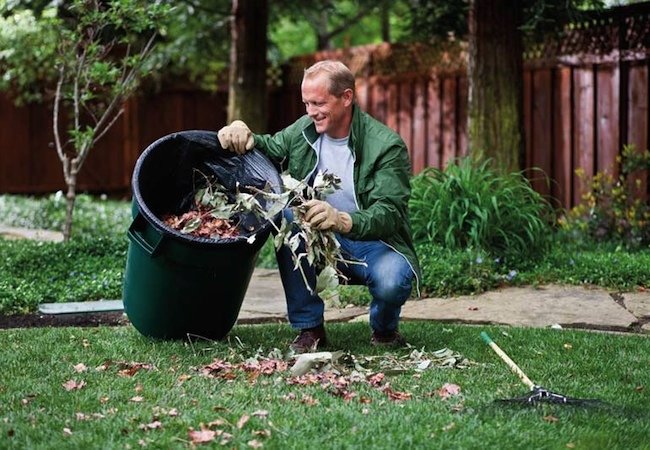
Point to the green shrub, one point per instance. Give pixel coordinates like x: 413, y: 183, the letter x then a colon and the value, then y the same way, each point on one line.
x: 33, y: 272
x: 613, y: 210
x: 447, y: 272
x: 94, y: 216
x: 469, y: 206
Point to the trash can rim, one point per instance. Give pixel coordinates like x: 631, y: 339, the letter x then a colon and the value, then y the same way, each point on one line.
x: 156, y: 222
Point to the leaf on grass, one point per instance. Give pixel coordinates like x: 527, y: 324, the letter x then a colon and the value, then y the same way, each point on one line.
x: 67, y: 432
x: 79, y: 368
x: 129, y: 369
x: 242, y: 421
x: 156, y: 424
x: 255, y: 443
x: 551, y: 419
x: 448, y: 390
x: 307, y: 361
x: 397, y: 396
x: 137, y: 399
x: 201, y: 436
x: 72, y: 385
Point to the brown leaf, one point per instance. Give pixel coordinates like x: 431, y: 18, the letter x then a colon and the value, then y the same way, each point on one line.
x: 397, y: 396
x: 129, y: 369
x: 551, y: 419
x: 202, y: 436
x: 639, y: 388
x: 448, y: 390
x: 71, y: 385
x: 255, y: 444
x: 156, y: 424
x: 137, y: 399
x: 309, y: 400
x: 81, y: 367
x: 376, y: 379
x: 242, y: 421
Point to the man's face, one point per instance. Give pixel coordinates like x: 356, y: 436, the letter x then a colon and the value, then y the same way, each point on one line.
x: 331, y: 114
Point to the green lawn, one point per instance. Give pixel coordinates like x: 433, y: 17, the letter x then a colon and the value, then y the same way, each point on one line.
x: 128, y: 391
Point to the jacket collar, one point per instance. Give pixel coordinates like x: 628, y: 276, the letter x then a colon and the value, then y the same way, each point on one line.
x: 356, y: 131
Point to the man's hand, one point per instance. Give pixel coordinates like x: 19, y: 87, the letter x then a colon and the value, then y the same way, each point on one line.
x: 236, y: 137
x: 323, y: 216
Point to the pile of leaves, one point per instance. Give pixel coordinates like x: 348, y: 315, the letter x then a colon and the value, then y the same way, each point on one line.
x: 210, y: 215
x: 339, y: 372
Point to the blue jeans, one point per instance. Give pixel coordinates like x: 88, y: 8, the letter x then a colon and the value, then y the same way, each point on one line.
x: 387, y: 274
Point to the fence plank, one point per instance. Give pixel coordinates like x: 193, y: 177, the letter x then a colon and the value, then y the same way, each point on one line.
x: 461, y: 119
x: 583, y: 80
x: 607, y: 129
x: 563, y: 168
x: 392, y: 104
x: 14, y: 146
x: 637, y: 97
x: 448, y: 120
x: 434, y: 123
x: 542, y: 138
x: 528, y: 115
x: 418, y: 158
x: 404, y: 114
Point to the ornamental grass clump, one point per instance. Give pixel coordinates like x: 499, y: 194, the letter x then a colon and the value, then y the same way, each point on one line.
x: 470, y: 205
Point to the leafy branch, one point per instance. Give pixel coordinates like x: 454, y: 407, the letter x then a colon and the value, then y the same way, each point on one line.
x: 320, y: 249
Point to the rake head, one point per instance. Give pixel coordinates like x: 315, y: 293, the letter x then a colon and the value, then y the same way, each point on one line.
x: 542, y: 395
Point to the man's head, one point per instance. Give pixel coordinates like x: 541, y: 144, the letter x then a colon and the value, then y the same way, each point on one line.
x: 328, y: 94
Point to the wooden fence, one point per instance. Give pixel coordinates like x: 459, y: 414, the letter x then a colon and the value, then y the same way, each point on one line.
x: 585, y: 96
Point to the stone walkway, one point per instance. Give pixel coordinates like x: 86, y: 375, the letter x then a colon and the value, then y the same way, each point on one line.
x: 545, y: 306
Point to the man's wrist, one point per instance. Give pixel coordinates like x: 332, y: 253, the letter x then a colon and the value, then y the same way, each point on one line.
x: 344, y: 224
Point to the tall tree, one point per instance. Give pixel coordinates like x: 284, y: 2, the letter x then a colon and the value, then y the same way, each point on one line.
x: 247, y: 86
x: 495, y: 115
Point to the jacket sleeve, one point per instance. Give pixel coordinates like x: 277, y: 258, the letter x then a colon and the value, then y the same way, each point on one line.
x: 278, y: 146
x: 384, y: 196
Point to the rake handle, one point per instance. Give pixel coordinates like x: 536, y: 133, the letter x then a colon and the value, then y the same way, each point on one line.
x: 511, y: 364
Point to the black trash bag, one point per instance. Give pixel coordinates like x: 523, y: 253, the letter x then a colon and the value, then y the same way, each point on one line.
x: 171, y: 170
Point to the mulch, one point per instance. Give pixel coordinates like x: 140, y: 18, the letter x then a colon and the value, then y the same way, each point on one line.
x: 63, y: 320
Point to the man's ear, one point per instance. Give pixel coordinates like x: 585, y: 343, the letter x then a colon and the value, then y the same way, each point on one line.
x: 348, y: 97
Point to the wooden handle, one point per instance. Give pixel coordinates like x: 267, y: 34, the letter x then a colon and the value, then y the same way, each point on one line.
x: 511, y: 364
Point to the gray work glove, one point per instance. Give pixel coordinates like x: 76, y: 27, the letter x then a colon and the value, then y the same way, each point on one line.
x: 236, y: 137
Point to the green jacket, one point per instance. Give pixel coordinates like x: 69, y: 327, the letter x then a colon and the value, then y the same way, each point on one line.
x: 381, y: 177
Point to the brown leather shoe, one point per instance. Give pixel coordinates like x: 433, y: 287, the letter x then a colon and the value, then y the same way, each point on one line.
x: 309, y: 340
x: 390, y: 339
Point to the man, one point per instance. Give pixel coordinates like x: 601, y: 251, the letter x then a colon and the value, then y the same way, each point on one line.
x: 369, y: 214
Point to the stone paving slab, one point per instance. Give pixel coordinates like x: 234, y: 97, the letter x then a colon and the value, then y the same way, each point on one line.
x: 638, y: 303
x: 24, y: 233
x: 568, y: 306
x: 81, y: 307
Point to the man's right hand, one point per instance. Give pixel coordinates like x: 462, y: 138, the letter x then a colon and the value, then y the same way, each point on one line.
x: 236, y: 137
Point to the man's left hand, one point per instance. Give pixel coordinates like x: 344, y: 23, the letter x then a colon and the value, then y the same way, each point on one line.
x: 323, y: 216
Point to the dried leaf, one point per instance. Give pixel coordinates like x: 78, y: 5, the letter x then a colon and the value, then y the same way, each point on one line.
x: 201, y: 436
x: 242, y: 421
x: 448, y: 390
x: 79, y: 368
x: 72, y: 385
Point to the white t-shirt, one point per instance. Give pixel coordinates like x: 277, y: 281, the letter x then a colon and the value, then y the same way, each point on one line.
x: 334, y: 156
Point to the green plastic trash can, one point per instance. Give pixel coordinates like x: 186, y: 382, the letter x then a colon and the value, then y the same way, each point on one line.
x: 177, y: 285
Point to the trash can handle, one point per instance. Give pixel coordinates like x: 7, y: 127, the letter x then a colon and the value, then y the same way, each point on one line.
x: 136, y: 235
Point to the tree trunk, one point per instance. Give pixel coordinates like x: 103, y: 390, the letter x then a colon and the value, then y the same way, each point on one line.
x: 70, y: 198
x: 495, y: 109
x: 247, y: 88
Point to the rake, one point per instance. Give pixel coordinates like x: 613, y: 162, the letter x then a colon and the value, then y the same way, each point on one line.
x: 537, y: 394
